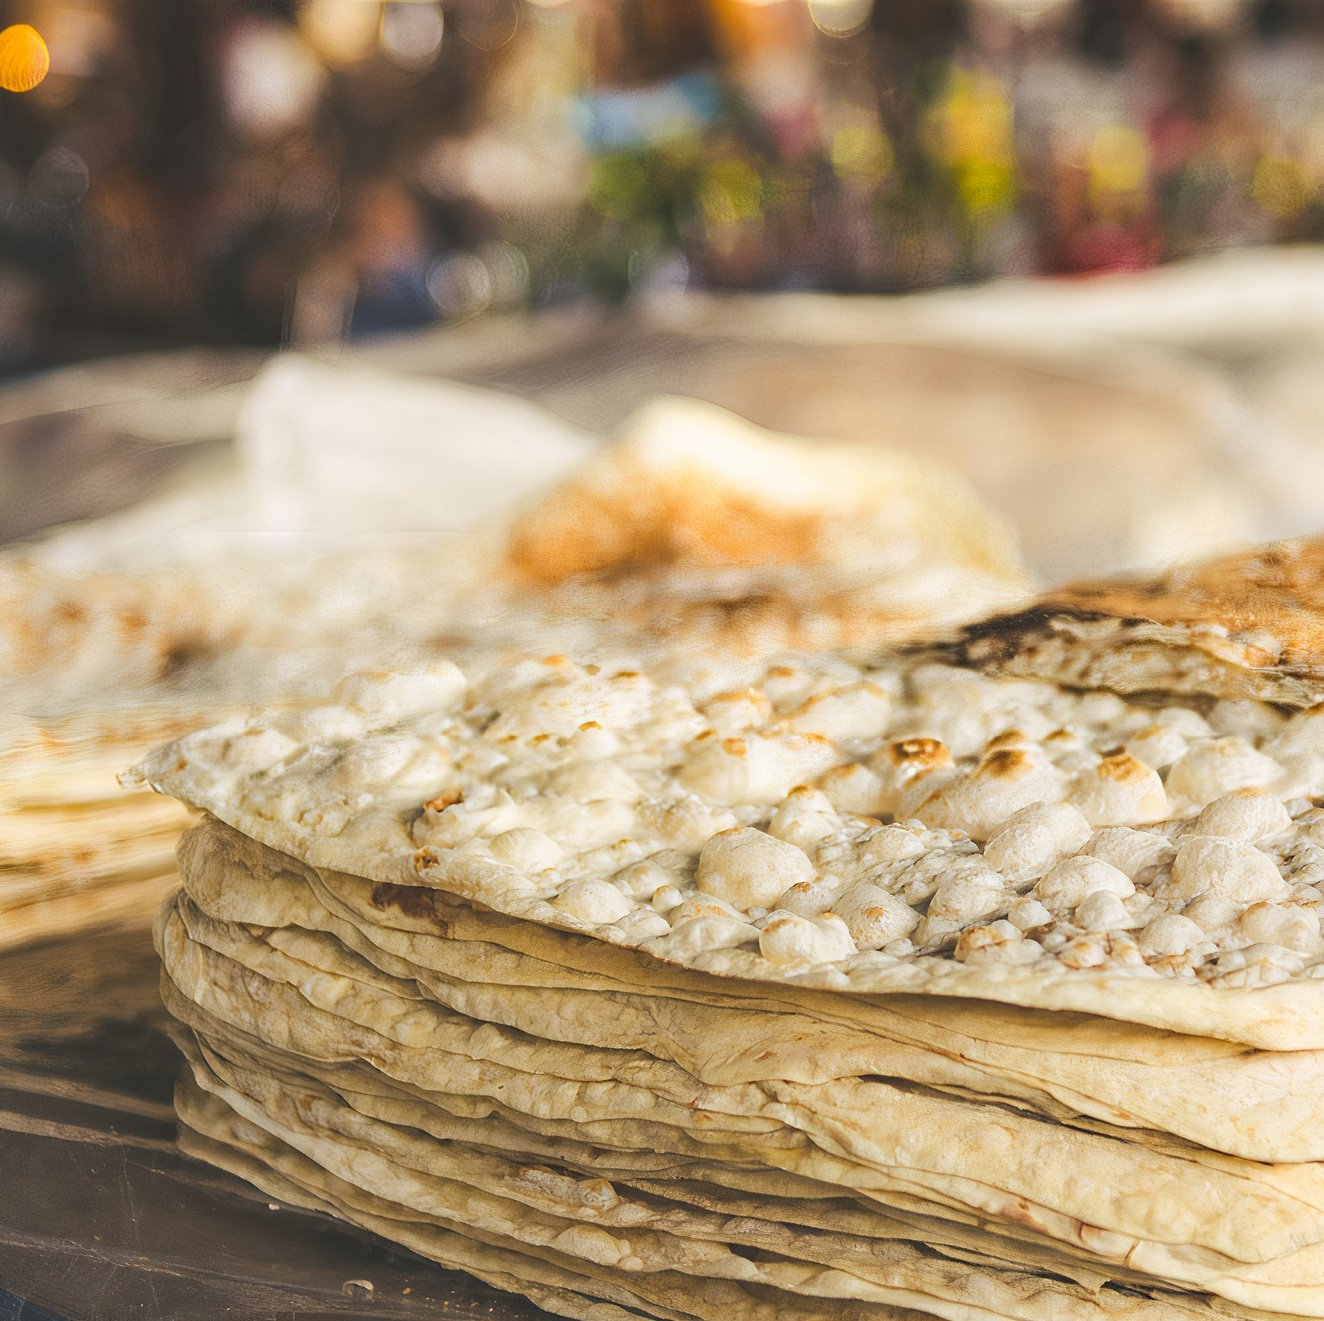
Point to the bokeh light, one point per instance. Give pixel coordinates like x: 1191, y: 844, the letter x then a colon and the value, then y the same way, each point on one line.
x: 341, y: 31
x: 411, y: 33
x: 271, y: 78
x: 24, y: 58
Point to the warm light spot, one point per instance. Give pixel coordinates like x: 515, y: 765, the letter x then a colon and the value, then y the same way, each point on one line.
x: 460, y: 285
x: 24, y: 59
x: 1205, y: 15
x: 970, y: 129
x: 1029, y: 12
x: 341, y: 31
x: 270, y: 78
x: 1118, y: 160
x: 986, y: 185
x: 973, y: 120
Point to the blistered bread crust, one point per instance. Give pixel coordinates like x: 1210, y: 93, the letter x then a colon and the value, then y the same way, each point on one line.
x: 1243, y: 625
x: 884, y: 829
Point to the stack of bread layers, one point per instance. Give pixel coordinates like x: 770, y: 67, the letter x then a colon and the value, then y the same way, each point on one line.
x: 848, y: 989
x: 74, y: 848
x: 695, y: 535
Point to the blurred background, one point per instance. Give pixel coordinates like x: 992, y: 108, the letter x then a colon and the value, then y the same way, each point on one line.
x: 263, y: 172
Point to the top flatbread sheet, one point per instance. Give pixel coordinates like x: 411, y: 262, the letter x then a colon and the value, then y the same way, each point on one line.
x: 1244, y: 625
x: 1049, y: 848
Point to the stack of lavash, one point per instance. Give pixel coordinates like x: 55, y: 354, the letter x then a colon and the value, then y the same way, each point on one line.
x: 922, y: 985
x: 76, y: 849
x: 735, y: 539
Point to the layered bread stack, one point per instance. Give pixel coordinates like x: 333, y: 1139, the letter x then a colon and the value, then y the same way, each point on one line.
x: 75, y: 850
x: 839, y: 989
x: 794, y: 542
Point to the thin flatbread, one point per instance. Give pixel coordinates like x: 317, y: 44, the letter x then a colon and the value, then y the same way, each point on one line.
x: 1245, y: 625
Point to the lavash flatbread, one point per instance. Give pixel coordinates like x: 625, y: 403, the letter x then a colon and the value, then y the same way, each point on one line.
x: 560, y: 1172
x: 408, y: 781
x: 1255, y: 1104
x: 75, y: 850
x: 341, y: 1142
x: 558, y: 1079
x: 536, y: 1078
x: 786, y: 542
x: 623, y: 1154
x: 1244, y: 625
x: 503, y: 1263
x: 643, y: 922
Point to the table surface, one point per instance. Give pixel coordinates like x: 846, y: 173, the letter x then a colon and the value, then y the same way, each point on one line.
x: 102, y: 1217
